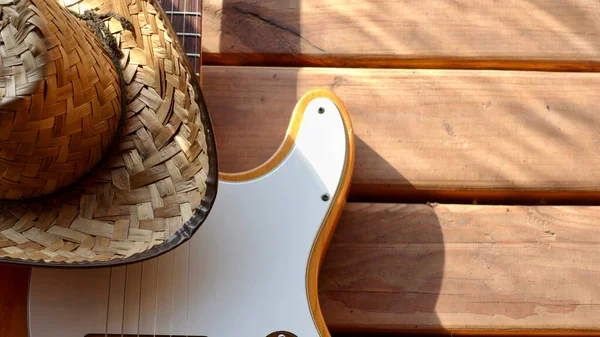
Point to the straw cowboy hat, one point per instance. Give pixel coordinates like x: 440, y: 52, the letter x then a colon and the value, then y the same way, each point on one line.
x: 106, y: 149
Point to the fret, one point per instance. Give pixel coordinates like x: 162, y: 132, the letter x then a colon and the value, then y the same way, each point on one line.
x: 185, y: 27
x: 189, y: 34
x: 182, y: 12
x: 186, y: 18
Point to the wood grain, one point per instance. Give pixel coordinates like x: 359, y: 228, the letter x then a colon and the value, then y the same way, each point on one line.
x: 423, y: 135
x: 514, y: 34
x: 14, y: 285
x: 442, y: 268
x: 397, y: 267
x: 288, y: 142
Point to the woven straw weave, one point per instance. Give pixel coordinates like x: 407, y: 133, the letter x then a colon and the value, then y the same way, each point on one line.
x: 149, y: 186
x: 60, y: 99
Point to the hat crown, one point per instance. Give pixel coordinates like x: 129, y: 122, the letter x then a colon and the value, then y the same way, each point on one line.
x: 60, y: 99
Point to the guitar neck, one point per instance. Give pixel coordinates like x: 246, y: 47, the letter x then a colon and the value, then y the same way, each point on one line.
x: 186, y: 19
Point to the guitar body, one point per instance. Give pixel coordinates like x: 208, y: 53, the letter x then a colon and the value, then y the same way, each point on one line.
x: 250, y: 270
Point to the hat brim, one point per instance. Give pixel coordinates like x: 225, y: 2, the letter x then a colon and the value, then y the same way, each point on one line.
x: 156, y: 187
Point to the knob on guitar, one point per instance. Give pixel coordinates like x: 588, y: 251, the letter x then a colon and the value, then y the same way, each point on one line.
x: 281, y: 334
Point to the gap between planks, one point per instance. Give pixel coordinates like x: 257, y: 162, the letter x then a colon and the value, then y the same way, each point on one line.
x: 453, y: 136
x: 390, y: 62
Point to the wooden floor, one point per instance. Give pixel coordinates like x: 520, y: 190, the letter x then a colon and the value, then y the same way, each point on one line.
x: 477, y: 169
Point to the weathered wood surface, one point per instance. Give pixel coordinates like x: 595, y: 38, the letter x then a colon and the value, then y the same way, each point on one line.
x: 398, y: 267
x: 445, y: 135
x: 535, y: 34
x: 500, y: 136
x: 459, y: 267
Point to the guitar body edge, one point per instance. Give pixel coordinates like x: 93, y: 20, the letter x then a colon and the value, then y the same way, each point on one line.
x: 339, y: 200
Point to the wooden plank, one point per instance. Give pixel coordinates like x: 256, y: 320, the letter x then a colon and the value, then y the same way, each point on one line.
x: 398, y: 267
x: 423, y: 135
x: 535, y: 34
x: 457, y: 268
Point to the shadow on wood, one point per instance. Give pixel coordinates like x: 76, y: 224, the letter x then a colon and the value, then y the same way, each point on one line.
x: 398, y: 276
x: 244, y: 26
x: 384, y: 258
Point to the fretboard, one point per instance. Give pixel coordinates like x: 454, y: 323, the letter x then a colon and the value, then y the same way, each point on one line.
x: 186, y: 19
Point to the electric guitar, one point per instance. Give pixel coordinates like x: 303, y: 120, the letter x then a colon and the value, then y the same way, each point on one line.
x: 250, y: 270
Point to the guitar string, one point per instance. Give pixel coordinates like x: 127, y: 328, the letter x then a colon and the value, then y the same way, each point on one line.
x: 184, y: 26
x: 172, y: 14
x: 198, y: 23
x: 173, y: 276
x: 189, y: 245
x: 142, y: 268
x: 124, y: 299
x: 156, y: 297
x: 158, y: 271
x: 172, y: 296
x: 187, y: 309
x: 108, y: 302
x: 140, y: 299
x: 172, y: 8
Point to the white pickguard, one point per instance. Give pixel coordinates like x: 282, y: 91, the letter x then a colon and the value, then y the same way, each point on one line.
x: 242, y: 274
